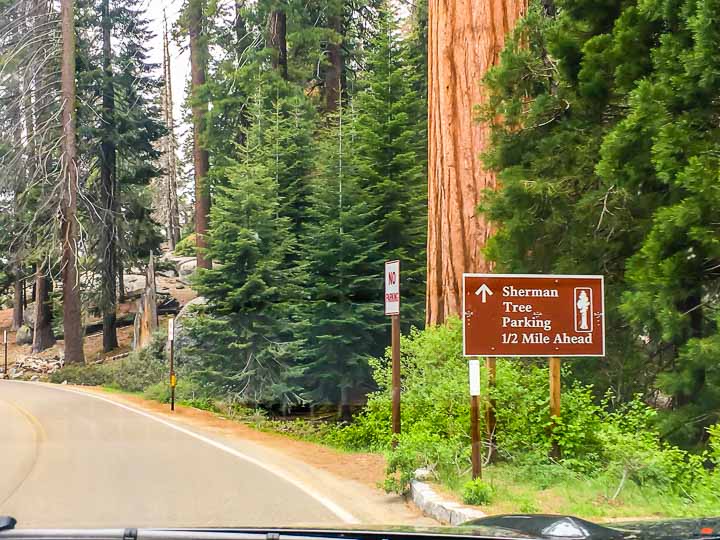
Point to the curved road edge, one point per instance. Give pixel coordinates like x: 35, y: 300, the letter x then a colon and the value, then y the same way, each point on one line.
x: 26, y: 469
x: 330, y: 505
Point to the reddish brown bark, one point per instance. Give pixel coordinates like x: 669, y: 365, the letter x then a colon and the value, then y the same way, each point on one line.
x: 277, y: 41
x: 465, y: 38
x: 333, y: 77
x: 201, y: 158
x: 69, y: 231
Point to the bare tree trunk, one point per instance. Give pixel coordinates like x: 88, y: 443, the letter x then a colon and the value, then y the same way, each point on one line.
x: 18, y: 318
x: 69, y: 233
x: 146, y: 319
x: 334, y: 77
x: 121, y: 281
x: 201, y: 159
x: 108, y: 247
x: 277, y: 41
x: 43, y: 337
x: 464, y: 40
x: 173, y: 221
x: 242, y: 37
x: 345, y: 413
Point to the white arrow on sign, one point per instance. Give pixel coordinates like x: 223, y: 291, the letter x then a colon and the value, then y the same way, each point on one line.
x: 485, y: 291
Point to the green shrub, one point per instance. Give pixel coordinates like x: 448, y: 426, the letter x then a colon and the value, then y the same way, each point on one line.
x: 478, y: 492
x: 186, y: 247
x: 298, y: 428
x: 541, y: 473
x: 85, y: 375
x: 134, y: 373
x: 446, y: 458
x: 527, y: 505
x: 369, y: 431
x: 714, y: 444
x: 187, y: 391
x: 623, y: 445
x: 142, y: 368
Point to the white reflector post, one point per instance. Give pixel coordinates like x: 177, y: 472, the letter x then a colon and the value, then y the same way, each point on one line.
x: 171, y: 329
x: 474, y: 370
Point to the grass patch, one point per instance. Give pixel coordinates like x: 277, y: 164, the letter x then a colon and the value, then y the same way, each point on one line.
x: 519, y: 489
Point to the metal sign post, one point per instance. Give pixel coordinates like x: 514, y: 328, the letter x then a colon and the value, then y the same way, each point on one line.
x: 474, y: 373
x: 5, y: 347
x: 392, y: 308
x: 173, y: 379
x: 530, y: 315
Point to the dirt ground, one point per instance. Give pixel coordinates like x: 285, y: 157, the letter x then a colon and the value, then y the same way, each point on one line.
x: 93, y: 343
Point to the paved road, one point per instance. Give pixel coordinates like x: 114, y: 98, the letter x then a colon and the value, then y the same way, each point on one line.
x: 68, y: 460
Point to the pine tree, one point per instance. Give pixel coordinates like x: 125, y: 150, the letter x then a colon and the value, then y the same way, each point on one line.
x: 118, y: 80
x: 391, y: 141
x: 608, y: 163
x: 252, y: 350
x: 671, y: 132
x: 342, y: 313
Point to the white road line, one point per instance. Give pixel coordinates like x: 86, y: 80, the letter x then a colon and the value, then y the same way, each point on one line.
x: 336, y: 509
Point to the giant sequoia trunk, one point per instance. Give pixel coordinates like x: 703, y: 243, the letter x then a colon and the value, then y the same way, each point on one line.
x: 72, y: 313
x: 334, y: 76
x: 108, y: 247
x: 201, y: 158
x: 464, y: 41
x: 277, y: 41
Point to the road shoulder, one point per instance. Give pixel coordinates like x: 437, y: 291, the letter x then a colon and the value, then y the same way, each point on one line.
x: 350, y: 479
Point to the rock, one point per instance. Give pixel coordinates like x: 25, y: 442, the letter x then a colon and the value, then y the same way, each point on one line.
x: 182, y: 338
x: 134, y: 284
x: 189, y: 309
x: 444, y: 511
x: 167, y: 273
x: 24, y: 335
x: 35, y: 378
x: 423, y: 473
x: 168, y: 304
x: 39, y: 364
x: 188, y: 267
x: 29, y: 315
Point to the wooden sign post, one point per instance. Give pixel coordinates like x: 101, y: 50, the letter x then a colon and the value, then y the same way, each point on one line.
x: 554, y: 401
x: 532, y: 316
x: 171, y: 346
x: 5, y: 347
x: 476, y: 455
x: 392, y: 308
x: 490, y: 420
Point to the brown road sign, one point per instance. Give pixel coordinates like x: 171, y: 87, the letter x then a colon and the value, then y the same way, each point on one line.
x: 533, y: 315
